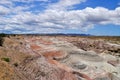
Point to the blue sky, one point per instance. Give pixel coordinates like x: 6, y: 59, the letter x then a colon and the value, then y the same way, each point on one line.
x: 109, y: 4
x: 96, y: 17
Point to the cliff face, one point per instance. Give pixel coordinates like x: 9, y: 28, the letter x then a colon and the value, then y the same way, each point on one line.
x: 58, y: 58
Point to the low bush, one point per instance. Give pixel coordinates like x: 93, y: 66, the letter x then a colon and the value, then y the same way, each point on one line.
x: 15, y: 64
x: 6, y: 59
x: 1, y: 41
x: 2, y: 35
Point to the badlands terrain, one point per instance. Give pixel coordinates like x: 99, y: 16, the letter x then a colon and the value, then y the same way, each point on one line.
x: 59, y: 58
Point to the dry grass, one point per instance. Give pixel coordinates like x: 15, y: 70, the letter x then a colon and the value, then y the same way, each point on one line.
x: 7, y: 52
x: 112, y: 39
x: 6, y: 71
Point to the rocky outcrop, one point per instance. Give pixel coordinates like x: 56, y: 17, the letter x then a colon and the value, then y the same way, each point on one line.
x: 59, y: 58
x: 98, y: 46
x: 38, y: 68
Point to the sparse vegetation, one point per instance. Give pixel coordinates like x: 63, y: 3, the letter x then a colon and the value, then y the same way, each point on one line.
x: 1, y: 41
x: 2, y: 35
x: 15, y: 64
x: 6, y: 59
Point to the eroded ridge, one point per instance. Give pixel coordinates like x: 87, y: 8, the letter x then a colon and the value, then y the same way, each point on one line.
x: 60, y: 58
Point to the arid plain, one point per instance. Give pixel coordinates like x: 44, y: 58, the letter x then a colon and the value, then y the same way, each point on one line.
x: 30, y: 57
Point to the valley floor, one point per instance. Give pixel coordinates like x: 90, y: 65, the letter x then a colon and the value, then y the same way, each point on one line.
x: 59, y: 58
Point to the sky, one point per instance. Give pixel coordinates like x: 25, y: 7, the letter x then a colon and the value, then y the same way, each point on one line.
x: 96, y: 17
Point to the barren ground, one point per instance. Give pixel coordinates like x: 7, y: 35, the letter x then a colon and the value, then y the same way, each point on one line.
x: 60, y: 58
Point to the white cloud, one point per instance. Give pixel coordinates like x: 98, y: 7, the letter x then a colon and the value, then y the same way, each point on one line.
x: 56, y: 17
x: 65, y: 4
x: 5, y: 2
x: 80, y: 19
x: 4, y: 10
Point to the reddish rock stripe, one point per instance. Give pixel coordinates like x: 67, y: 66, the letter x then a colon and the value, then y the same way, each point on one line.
x: 35, y: 47
x: 82, y: 75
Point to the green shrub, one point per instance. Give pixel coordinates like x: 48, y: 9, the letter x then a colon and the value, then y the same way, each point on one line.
x: 1, y: 41
x: 5, y: 59
x: 2, y: 35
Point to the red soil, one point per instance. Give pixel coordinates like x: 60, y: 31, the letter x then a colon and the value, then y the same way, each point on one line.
x: 53, y: 54
x: 35, y: 47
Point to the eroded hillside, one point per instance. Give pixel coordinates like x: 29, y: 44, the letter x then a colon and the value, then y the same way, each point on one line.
x: 59, y: 58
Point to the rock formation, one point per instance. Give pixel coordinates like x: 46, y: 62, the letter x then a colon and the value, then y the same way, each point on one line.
x: 59, y: 58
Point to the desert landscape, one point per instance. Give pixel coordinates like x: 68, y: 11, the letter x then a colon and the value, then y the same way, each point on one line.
x: 59, y: 39
x: 35, y: 57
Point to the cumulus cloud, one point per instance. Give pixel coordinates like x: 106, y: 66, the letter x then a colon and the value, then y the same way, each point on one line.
x: 4, y: 10
x: 65, y: 4
x: 56, y: 17
x: 5, y: 2
x: 80, y: 19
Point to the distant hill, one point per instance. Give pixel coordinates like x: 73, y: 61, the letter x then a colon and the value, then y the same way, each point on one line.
x: 50, y: 34
x: 61, y: 34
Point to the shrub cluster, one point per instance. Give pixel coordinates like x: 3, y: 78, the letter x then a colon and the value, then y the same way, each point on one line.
x: 2, y: 35
x: 6, y: 59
